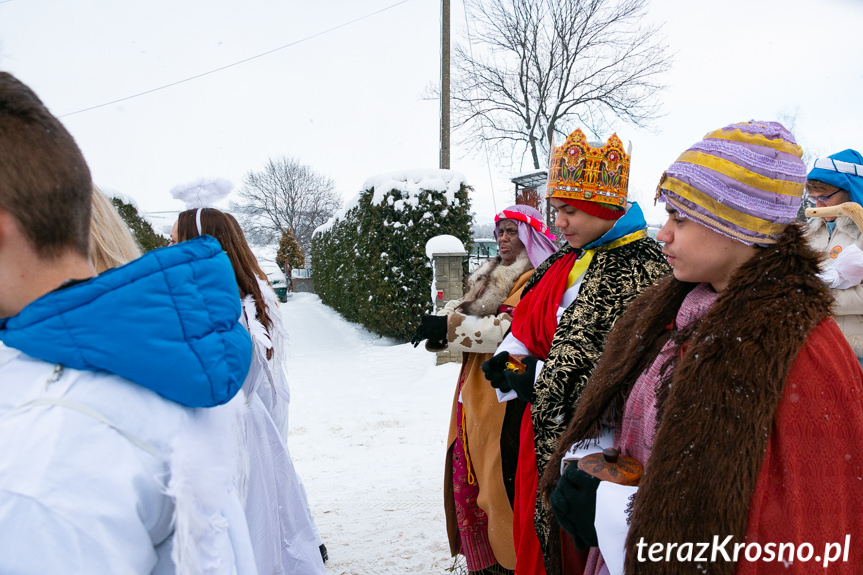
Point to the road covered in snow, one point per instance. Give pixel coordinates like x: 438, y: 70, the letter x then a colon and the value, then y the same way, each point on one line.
x: 368, y: 427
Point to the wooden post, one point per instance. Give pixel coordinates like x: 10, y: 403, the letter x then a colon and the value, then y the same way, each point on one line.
x: 444, y: 86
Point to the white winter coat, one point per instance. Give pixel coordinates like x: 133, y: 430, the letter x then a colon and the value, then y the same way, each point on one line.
x: 121, y: 518
x: 284, y: 535
x: 848, y: 307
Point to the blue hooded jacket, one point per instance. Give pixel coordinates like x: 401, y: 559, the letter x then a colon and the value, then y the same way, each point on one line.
x: 167, y: 321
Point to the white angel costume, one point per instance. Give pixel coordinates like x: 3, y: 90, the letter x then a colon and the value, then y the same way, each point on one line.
x: 283, y: 532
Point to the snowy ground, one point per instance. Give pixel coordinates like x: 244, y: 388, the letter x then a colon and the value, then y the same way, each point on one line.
x: 368, y: 430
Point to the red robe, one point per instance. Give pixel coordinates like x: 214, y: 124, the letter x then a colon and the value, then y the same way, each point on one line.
x: 810, y: 488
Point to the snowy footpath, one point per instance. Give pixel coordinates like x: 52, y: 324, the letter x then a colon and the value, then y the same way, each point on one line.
x: 368, y: 427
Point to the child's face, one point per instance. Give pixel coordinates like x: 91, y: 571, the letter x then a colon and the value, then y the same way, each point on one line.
x: 699, y: 254
x: 578, y: 227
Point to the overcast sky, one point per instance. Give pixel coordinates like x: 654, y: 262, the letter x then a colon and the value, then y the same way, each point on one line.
x: 348, y: 102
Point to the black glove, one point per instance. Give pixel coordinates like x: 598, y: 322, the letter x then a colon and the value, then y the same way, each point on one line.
x: 493, y: 370
x: 573, y: 502
x: 432, y: 328
x: 522, y: 383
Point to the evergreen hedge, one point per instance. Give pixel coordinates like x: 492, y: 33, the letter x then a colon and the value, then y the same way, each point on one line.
x: 142, y: 230
x: 370, y: 265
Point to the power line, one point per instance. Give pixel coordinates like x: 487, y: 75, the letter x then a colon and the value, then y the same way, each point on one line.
x: 201, y: 75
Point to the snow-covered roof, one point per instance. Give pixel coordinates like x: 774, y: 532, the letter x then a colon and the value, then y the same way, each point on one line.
x: 112, y: 193
x: 408, y: 181
x: 266, y: 256
x: 444, y: 244
x: 535, y: 178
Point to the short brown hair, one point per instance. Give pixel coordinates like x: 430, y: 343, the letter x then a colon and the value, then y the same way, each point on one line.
x: 820, y: 188
x: 44, y: 180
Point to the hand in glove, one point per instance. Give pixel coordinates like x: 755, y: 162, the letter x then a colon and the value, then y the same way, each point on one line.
x: 432, y: 328
x: 522, y: 383
x: 494, y: 370
x: 573, y: 502
x: 847, y: 269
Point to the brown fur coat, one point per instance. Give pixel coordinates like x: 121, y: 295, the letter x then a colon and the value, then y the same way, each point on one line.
x: 719, y: 409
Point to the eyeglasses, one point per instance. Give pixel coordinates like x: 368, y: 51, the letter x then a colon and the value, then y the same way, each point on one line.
x: 810, y: 201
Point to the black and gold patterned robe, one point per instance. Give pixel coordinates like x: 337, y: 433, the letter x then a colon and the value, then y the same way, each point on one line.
x: 613, y: 279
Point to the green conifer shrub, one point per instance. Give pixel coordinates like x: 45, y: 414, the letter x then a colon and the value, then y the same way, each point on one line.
x: 370, y: 265
x: 141, y: 228
x: 290, y: 252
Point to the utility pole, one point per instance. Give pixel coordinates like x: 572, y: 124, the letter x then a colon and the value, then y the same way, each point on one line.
x: 444, y: 86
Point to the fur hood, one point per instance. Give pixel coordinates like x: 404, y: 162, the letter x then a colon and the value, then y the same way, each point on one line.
x: 490, y: 284
x: 722, y: 399
x: 843, y: 223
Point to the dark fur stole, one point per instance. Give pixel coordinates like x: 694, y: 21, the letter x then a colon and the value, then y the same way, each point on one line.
x: 723, y: 395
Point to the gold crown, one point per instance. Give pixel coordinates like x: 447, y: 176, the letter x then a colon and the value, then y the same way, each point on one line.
x: 581, y: 172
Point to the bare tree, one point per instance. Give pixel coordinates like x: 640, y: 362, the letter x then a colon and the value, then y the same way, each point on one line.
x: 542, y: 64
x: 788, y: 118
x: 285, y: 195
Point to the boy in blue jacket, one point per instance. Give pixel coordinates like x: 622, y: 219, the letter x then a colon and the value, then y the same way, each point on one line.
x: 104, y: 456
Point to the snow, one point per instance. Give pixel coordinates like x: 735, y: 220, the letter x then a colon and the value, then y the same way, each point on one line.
x: 266, y: 256
x: 529, y: 173
x: 412, y: 181
x: 444, y: 244
x: 126, y: 199
x: 162, y: 222
x: 409, y: 182
x: 368, y: 429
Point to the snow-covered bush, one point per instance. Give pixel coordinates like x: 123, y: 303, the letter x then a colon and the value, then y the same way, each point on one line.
x: 369, y: 260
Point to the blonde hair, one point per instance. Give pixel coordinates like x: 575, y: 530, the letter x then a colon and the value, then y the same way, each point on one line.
x: 111, y: 242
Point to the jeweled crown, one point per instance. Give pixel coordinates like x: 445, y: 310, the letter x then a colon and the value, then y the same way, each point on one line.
x: 579, y: 171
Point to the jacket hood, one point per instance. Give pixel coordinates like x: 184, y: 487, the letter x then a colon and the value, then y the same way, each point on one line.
x: 167, y: 321
x: 632, y: 221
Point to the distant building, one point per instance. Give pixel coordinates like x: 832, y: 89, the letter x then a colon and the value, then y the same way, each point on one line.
x: 530, y: 191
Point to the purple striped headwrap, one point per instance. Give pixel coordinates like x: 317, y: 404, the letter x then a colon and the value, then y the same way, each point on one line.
x: 744, y: 181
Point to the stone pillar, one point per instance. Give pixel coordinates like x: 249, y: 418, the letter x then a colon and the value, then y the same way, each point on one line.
x: 447, y: 254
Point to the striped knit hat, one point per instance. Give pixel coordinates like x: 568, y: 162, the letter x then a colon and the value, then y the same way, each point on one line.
x: 744, y: 181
